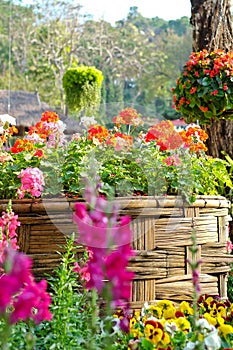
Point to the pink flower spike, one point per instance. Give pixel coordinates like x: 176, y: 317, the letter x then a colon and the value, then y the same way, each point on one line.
x: 32, y: 303
x: 229, y: 246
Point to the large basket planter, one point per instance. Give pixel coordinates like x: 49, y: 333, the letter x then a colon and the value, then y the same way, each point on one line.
x: 162, y: 228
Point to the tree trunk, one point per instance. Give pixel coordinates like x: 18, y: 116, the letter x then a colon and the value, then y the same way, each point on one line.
x: 212, y: 25
x: 212, y: 29
x: 220, y: 134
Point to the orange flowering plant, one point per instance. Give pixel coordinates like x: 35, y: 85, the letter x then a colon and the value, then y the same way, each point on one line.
x: 134, y: 160
x: 130, y: 159
x: 204, y: 91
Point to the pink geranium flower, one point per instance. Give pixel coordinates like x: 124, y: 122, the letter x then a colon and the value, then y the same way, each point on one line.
x: 32, y: 180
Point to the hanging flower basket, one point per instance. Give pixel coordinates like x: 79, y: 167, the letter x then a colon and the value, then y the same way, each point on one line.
x: 82, y: 87
x: 204, y: 91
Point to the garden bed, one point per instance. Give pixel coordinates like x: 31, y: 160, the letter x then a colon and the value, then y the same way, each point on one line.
x: 162, y: 228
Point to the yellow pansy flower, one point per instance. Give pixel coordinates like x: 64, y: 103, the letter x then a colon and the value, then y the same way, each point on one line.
x: 154, y: 335
x: 169, y: 313
x: 221, y: 310
x: 224, y: 330
x: 183, y: 324
x: 155, y: 311
x: 185, y: 308
x: 211, y: 320
x: 164, y: 304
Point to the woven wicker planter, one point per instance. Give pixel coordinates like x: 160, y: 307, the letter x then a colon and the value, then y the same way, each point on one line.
x: 162, y: 230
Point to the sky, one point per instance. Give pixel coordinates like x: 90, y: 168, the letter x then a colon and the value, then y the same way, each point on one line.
x: 112, y: 11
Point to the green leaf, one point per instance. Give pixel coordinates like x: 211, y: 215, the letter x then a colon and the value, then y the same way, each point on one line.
x: 206, y: 81
x: 146, y: 344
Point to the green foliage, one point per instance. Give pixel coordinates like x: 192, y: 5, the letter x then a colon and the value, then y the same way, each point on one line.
x: 82, y: 86
x: 230, y: 285
x: 213, y: 175
x: 71, y: 311
x: 9, y: 181
x: 51, y: 166
x: 143, y: 171
x: 75, y: 160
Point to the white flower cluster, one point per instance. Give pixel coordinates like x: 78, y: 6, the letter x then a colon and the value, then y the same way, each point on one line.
x: 211, y: 339
x: 87, y: 122
x: 6, y: 119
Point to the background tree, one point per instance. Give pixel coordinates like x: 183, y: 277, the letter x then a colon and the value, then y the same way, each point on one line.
x: 212, y: 29
x: 137, y: 55
x: 16, y: 23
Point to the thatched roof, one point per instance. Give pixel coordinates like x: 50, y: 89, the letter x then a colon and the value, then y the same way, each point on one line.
x: 26, y: 107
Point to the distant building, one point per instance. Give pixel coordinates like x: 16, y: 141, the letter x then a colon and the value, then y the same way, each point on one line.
x: 179, y: 124
x: 24, y: 106
x: 27, y: 108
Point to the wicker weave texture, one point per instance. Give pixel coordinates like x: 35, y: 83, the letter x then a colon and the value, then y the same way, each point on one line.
x: 162, y: 229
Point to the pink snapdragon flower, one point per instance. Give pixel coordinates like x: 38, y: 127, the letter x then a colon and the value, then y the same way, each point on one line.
x: 82, y: 271
x: 32, y: 180
x: 32, y: 303
x: 21, y: 298
x: 116, y: 271
x: 229, y: 246
x: 8, y: 226
x: 108, y: 237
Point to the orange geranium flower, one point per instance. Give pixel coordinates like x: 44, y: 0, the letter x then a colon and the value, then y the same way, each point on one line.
x: 41, y: 129
x: 21, y: 145
x: 120, y: 141
x: 49, y: 117
x: 165, y: 135
x: 194, y: 138
x: 128, y: 116
x: 98, y: 132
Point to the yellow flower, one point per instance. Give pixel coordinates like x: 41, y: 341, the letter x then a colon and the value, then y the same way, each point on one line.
x: 221, y: 310
x: 154, y: 335
x: 211, y: 320
x: 213, y: 312
x: 224, y: 330
x: 185, y: 308
x: 169, y: 312
x: 154, y: 332
x: 155, y: 311
x: 137, y: 315
x: 166, y: 339
x: 183, y: 324
x: 209, y: 299
x: 134, y: 329
x: 164, y: 304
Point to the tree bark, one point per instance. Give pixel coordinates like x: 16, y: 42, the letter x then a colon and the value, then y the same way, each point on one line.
x: 212, y: 25
x: 220, y: 134
x: 212, y: 29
